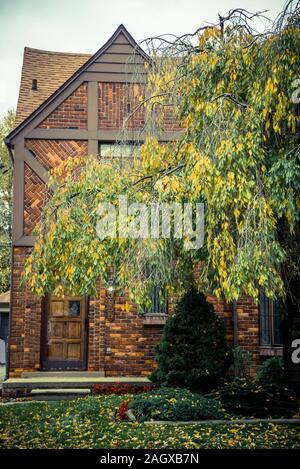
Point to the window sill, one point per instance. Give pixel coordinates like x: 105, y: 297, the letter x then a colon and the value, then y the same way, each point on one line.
x: 154, y: 319
x: 265, y: 351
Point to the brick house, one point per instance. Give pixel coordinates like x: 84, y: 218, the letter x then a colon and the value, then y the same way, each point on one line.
x: 72, y: 104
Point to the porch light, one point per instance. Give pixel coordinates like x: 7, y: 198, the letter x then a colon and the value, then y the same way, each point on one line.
x: 111, y: 286
x: 110, y: 299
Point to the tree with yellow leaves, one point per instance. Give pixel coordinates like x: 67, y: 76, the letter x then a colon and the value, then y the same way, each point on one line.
x: 233, y: 91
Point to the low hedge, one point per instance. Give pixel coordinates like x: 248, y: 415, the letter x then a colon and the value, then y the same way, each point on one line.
x: 249, y: 399
x: 174, y: 404
x: 271, y: 371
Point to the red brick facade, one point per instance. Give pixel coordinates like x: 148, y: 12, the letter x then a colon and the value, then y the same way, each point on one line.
x: 72, y: 113
x: 35, y: 197
x: 247, y: 325
x: 26, y: 309
x: 120, y: 343
x: 116, y: 102
x: 51, y: 153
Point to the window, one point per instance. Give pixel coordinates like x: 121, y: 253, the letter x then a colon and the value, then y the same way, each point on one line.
x: 74, y: 308
x: 4, y: 325
x: 270, y: 333
x: 158, y: 301
x: 120, y: 152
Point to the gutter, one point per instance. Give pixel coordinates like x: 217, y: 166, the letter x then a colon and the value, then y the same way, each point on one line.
x: 8, y: 144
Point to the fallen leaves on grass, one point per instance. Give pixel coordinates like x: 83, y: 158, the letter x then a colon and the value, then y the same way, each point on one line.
x: 91, y: 423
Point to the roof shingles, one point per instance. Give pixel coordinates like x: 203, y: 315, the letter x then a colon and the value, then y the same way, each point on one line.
x: 51, y: 70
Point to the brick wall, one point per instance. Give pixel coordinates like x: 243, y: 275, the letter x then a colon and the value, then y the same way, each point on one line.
x: 50, y: 153
x: 24, y: 344
x: 224, y: 312
x: 169, y: 120
x: 96, y: 339
x: 35, y: 198
x: 120, y: 103
x: 116, y: 101
x: 129, y: 341
x: 248, y: 328
x: 247, y: 322
x: 120, y: 343
x: 71, y: 114
x: 247, y: 325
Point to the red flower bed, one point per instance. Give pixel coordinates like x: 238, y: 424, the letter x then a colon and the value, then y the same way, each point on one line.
x: 121, y: 388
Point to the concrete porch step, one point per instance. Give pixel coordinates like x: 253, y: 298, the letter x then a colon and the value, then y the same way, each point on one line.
x: 58, y: 394
x: 62, y: 374
x: 50, y: 382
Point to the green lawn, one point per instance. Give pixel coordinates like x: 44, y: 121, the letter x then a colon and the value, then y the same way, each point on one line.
x: 90, y: 423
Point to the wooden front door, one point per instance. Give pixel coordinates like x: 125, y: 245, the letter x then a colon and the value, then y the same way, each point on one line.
x: 65, y: 334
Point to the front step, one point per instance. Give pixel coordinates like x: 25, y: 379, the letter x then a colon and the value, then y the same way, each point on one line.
x: 68, y: 382
x: 62, y: 374
x: 58, y: 394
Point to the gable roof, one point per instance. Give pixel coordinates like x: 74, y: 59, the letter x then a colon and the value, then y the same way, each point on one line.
x: 55, y: 92
x: 51, y: 70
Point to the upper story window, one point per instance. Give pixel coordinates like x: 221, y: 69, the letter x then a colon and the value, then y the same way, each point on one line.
x: 270, y: 320
x: 120, y: 152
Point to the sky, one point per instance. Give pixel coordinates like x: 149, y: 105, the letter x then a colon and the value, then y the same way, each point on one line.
x: 85, y: 25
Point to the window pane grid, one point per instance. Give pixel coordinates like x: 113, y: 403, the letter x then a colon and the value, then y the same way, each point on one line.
x: 265, y: 337
x: 158, y: 301
x: 270, y: 320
